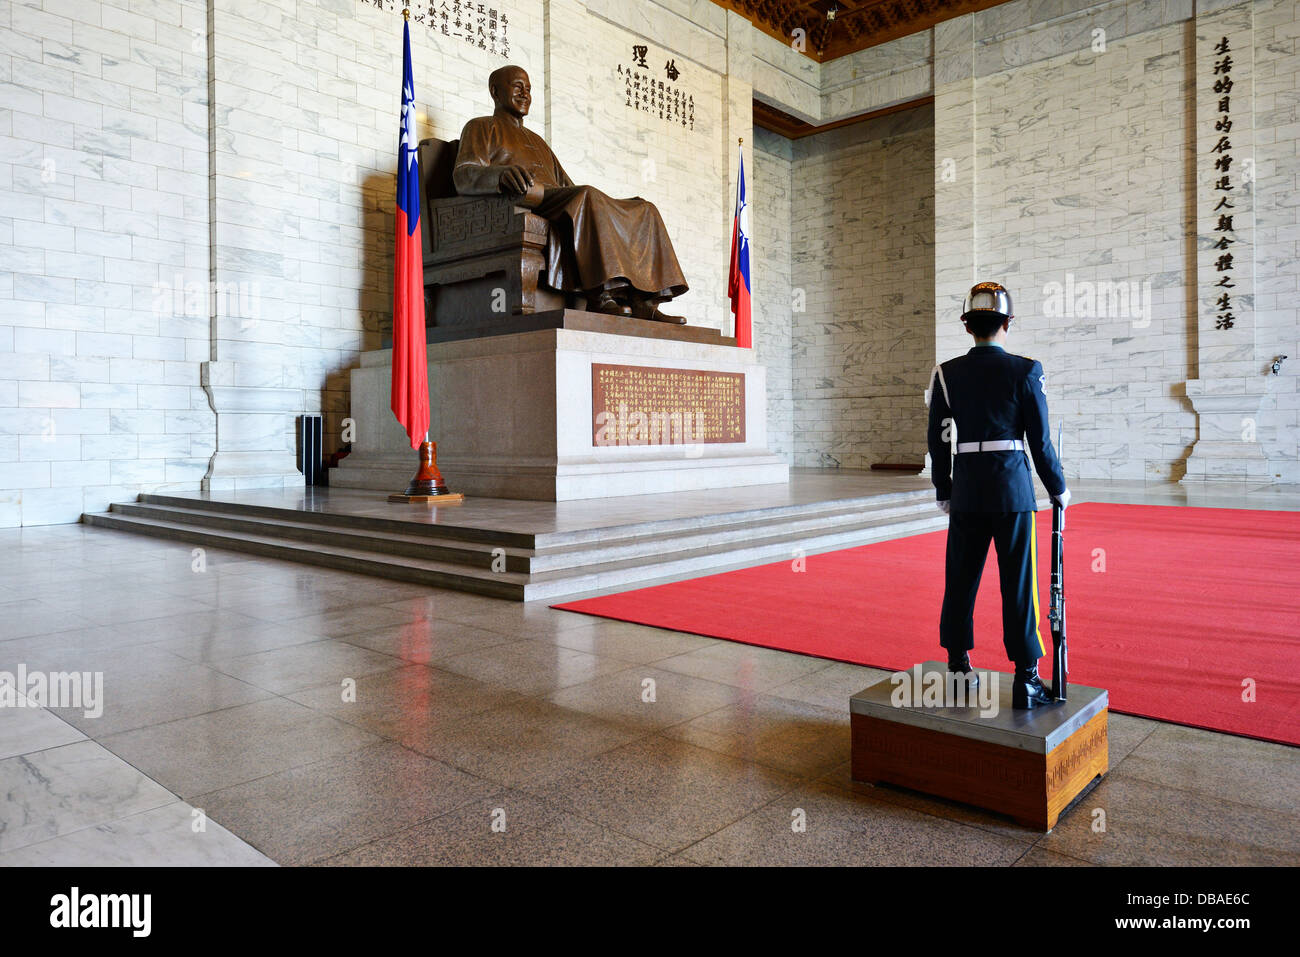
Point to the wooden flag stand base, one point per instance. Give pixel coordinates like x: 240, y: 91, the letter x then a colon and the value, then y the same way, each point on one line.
x: 427, y: 488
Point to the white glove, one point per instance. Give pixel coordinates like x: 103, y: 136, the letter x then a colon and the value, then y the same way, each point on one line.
x: 1063, y: 499
x: 944, y: 507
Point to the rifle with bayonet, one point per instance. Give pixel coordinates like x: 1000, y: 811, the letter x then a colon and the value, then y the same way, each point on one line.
x: 1057, y: 613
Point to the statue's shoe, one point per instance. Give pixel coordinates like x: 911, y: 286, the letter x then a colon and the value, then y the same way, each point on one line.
x: 610, y: 307
x: 646, y: 310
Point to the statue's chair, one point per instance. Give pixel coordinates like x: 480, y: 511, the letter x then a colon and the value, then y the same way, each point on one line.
x: 478, y: 249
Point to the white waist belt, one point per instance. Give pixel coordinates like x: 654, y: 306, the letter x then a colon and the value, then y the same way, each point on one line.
x: 997, y: 445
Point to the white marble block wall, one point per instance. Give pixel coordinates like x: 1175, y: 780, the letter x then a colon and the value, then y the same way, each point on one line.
x: 103, y: 228
x: 1277, y: 229
x: 862, y: 261
x: 772, y: 306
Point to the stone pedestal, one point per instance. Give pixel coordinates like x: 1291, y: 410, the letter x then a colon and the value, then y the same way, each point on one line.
x: 255, y: 411
x: 1227, y: 449
x: 1027, y: 764
x: 513, y: 418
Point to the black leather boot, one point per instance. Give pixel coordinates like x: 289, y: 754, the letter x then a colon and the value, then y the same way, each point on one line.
x: 959, y: 664
x: 1028, y: 690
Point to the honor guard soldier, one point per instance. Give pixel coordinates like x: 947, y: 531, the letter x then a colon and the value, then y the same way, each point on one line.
x: 995, y: 405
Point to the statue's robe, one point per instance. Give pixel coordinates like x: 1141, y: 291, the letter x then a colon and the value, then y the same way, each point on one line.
x: 593, y: 241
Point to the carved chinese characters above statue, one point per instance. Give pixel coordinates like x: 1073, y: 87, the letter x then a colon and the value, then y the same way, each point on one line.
x: 479, y: 25
x: 650, y: 84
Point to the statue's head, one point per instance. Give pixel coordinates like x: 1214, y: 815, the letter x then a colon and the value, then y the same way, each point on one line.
x: 511, y: 90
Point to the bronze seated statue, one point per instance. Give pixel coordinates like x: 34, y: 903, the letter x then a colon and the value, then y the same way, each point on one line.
x: 507, y: 232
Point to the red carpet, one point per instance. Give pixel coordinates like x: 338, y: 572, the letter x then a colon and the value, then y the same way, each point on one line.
x: 1184, y: 605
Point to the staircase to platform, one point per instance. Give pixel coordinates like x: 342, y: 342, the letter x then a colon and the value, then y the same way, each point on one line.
x: 530, y: 566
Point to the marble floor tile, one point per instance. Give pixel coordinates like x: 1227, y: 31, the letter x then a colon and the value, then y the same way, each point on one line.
x: 349, y: 620
x: 746, y: 666
x: 840, y: 828
x: 139, y: 699
x: 69, y: 651
x: 792, y: 736
x: 665, y: 793
x: 1153, y: 825
x: 296, y: 667
x: 33, y: 617
x: 193, y: 623
x: 637, y: 644
x: 1239, y: 770
x: 28, y: 728
x: 427, y: 640
x: 832, y: 686
x: 508, y: 828
x: 647, y: 698
x: 220, y: 749
x: 414, y: 704
x: 238, y: 642
x: 676, y: 860
x: 1037, y: 857
x: 522, y: 741
x: 320, y: 810
x: 1124, y: 732
x: 162, y: 837
x: 89, y: 638
x: 531, y: 667
x: 450, y: 605
x: 120, y: 607
x: 49, y: 793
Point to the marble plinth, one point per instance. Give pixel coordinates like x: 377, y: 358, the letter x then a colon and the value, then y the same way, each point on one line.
x: 512, y: 416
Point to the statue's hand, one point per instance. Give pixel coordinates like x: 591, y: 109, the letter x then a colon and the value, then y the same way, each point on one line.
x: 514, y: 180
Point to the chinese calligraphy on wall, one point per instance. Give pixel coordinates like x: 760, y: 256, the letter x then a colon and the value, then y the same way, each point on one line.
x: 650, y: 85
x: 475, y: 24
x: 1222, y: 212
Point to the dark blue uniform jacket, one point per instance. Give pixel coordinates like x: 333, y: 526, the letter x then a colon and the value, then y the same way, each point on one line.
x: 991, y: 394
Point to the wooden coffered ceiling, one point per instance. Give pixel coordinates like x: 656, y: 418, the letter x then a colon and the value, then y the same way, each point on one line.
x: 855, y: 24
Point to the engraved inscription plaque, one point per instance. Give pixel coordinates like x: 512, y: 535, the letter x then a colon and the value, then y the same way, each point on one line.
x: 645, y: 405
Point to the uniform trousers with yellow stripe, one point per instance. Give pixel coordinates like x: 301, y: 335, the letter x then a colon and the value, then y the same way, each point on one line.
x: 1014, y: 537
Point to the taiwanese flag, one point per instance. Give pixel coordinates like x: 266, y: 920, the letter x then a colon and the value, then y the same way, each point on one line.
x: 410, y: 401
x: 738, y: 278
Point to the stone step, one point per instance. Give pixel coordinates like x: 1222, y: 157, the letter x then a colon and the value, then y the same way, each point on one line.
x: 421, y: 571
x: 672, y: 564
x: 546, y: 542
x: 791, y: 530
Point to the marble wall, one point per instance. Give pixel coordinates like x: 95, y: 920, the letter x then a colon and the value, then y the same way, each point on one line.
x: 772, y: 306
x: 862, y: 267
x: 104, y: 228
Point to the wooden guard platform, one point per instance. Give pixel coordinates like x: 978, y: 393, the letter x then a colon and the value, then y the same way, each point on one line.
x: 1026, y: 764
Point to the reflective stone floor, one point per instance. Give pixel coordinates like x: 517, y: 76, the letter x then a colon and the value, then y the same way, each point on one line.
x: 260, y: 712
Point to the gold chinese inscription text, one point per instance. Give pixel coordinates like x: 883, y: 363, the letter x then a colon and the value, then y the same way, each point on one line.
x: 644, y: 405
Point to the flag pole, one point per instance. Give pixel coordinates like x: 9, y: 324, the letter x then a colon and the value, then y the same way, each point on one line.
x: 427, y: 487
